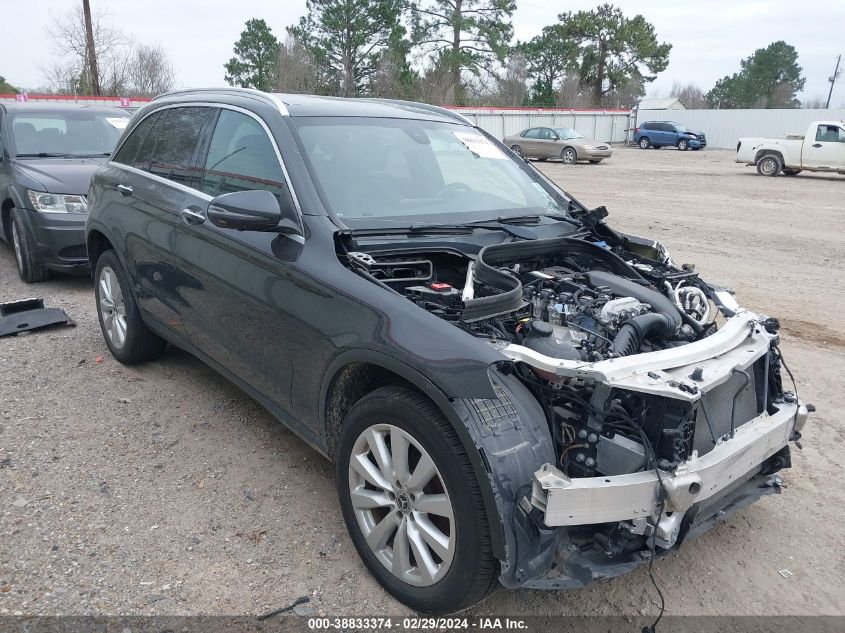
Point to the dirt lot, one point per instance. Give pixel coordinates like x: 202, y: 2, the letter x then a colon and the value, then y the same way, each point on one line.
x: 162, y: 489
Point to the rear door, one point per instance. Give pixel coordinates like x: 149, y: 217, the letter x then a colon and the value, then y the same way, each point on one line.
x: 152, y: 194
x: 531, y: 142
x: 827, y: 150
x: 236, y: 285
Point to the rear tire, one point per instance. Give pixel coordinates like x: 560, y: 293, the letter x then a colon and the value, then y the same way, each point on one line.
x: 596, y: 161
x: 442, y: 570
x: 29, y: 269
x: 769, y: 165
x: 791, y: 172
x: 644, y: 143
x: 128, y: 339
x: 516, y: 149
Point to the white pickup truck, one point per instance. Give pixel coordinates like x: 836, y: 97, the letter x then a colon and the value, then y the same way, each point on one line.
x: 822, y: 148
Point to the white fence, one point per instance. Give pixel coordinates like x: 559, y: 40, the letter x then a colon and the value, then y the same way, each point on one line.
x: 610, y: 126
x: 724, y: 127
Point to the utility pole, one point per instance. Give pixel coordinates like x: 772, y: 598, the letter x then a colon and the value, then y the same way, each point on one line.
x: 91, y: 52
x: 833, y: 79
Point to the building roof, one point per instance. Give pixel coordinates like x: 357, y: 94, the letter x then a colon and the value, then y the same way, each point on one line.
x: 671, y: 103
x: 28, y: 106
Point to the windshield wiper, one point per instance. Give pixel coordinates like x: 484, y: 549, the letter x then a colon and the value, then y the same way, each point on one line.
x: 45, y: 155
x: 507, y: 227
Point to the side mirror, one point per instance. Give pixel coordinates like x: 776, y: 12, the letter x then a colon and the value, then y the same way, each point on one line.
x: 253, y: 210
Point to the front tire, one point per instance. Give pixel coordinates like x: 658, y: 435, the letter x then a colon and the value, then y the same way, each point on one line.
x: 29, y: 268
x: 569, y: 156
x: 769, y: 165
x: 683, y: 144
x: 128, y: 339
x: 412, y: 503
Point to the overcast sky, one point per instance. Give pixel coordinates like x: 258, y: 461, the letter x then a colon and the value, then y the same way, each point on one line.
x: 708, y: 37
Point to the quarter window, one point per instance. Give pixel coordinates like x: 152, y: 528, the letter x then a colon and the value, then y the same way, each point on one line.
x: 174, y: 154
x: 241, y: 157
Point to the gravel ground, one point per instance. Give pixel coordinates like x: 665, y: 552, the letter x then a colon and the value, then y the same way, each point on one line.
x: 163, y: 489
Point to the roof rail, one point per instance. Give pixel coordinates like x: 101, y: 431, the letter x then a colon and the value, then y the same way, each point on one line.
x: 267, y: 97
x: 426, y: 106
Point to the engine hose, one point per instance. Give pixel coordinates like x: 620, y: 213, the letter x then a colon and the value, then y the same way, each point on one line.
x: 632, y: 334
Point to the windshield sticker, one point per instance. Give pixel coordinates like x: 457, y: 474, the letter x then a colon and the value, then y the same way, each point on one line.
x: 479, y: 146
x: 119, y: 122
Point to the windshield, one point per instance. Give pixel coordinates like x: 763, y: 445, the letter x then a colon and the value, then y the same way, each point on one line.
x: 73, y: 133
x: 407, y: 169
x: 567, y: 133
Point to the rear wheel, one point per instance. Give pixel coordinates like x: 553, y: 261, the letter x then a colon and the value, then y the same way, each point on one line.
x: 412, y: 503
x: 569, y: 156
x: 596, y: 161
x: 769, y: 165
x: 644, y: 143
x: 127, y: 337
x: 516, y: 149
x: 30, y: 269
x: 791, y: 172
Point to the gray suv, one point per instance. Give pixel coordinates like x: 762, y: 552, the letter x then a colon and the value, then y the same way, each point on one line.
x: 510, y: 390
x: 48, y: 153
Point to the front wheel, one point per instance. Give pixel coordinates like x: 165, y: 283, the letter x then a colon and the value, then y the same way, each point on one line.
x: 569, y: 156
x: 412, y: 503
x: 769, y: 165
x: 29, y: 268
x: 127, y: 337
x: 683, y: 145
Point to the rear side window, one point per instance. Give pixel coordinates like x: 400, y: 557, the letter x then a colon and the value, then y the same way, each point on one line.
x: 178, y: 136
x: 129, y: 150
x: 532, y: 133
x: 241, y: 157
x: 646, y: 126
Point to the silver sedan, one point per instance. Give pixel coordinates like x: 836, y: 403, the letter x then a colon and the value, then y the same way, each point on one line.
x: 560, y: 142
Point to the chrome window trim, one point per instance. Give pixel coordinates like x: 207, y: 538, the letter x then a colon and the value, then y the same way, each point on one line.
x: 222, y: 106
x: 268, y: 97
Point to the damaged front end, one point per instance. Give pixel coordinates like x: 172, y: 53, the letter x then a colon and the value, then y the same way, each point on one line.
x: 636, y: 404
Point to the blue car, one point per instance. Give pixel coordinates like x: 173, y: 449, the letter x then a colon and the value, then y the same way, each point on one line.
x: 656, y: 134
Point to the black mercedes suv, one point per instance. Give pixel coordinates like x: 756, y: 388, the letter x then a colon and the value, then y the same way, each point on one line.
x: 48, y: 153
x: 510, y: 389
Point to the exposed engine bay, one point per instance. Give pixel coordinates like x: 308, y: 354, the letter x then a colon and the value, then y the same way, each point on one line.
x: 575, y: 303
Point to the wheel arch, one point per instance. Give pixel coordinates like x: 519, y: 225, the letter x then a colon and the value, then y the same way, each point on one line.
x: 768, y: 152
x: 572, y: 147
x: 96, y: 243
x: 6, y: 207
x: 355, y: 373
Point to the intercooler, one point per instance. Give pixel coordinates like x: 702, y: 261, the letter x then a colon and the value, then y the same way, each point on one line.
x: 739, y: 399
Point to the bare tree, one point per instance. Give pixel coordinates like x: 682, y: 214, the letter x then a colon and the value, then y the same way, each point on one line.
x: 690, y: 95
x: 814, y: 103
x: 296, y: 69
x: 150, y: 71
x: 436, y: 85
x: 573, y: 93
x: 512, y: 84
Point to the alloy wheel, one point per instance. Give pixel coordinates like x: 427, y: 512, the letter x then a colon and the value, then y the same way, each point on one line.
x: 16, y: 246
x: 644, y: 143
x: 401, y: 505
x: 112, y: 307
x: 682, y: 145
x: 518, y: 151
x: 569, y: 156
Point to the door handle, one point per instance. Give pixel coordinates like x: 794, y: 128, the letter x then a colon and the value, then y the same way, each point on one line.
x: 125, y: 190
x: 192, y: 217
x: 817, y: 144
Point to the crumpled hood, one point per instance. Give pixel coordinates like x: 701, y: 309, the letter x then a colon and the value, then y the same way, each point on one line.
x: 65, y: 175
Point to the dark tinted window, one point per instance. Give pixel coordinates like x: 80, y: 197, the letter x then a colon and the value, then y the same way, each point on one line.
x: 546, y: 134
x: 532, y: 133
x: 178, y: 136
x: 667, y: 127
x: 129, y: 150
x: 145, y: 152
x: 241, y: 157
x: 647, y: 126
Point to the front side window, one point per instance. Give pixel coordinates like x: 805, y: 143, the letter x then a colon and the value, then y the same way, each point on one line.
x: 567, y: 133
x: 830, y: 134
x: 177, y: 139
x: 546, y: 134
x: 73, y: 133
x: 241, y: 157
x: 371, y: 169
x: 128, y: 150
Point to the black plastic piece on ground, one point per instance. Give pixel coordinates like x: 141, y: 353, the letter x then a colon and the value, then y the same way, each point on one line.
x: 29, y: 314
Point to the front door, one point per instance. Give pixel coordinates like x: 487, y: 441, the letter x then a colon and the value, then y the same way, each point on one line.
x: 235, y: 288
x: 827, y: 150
